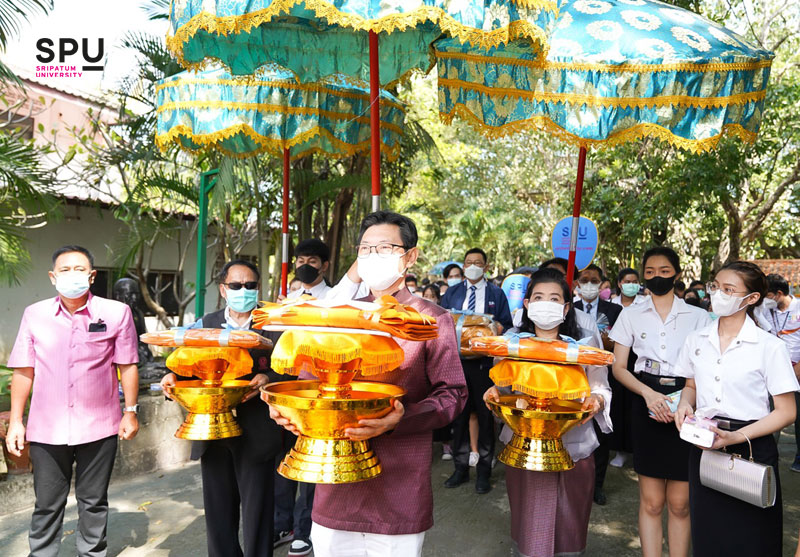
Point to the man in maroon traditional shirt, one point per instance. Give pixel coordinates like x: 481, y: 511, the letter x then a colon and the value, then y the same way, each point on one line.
x: 388, y: 515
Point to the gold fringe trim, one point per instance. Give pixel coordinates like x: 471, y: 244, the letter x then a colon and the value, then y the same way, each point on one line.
x: 268, y: 144
x: 282, y: 84
x: 522, y: 388
x: 228, y: 25
x: 634, y: 133
x: 612, y: 102
x: 543, y: 64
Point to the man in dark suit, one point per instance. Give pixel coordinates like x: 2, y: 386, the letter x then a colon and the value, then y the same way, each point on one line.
x: 476, y: 295
x: 237, y: 472
x: 605, y: 315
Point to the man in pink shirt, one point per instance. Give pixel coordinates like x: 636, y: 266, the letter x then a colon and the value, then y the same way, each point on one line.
x: 68, y: 350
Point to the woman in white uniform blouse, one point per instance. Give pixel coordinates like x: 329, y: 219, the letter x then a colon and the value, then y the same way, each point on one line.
x: 733, y: 368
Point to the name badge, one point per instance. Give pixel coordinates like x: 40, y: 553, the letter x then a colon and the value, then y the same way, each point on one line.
x: 651, y: 366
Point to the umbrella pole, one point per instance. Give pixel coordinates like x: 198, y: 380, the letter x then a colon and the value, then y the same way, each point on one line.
x: 576, y: 214
x: 285, y: 224
x: 375, y: 120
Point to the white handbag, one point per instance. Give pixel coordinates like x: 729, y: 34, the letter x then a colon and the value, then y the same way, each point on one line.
x: 741, y: 478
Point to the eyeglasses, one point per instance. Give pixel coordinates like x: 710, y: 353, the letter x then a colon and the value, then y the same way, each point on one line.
x: 712, y: 287
x: 384, y: 249
x: 251, y: 285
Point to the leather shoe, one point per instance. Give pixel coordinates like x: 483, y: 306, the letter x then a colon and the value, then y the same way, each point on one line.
x: 600, y: 496
x: 482, y: 486
x: 459, y: 477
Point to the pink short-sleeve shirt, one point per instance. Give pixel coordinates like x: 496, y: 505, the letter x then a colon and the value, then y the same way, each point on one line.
x: 75, y: 396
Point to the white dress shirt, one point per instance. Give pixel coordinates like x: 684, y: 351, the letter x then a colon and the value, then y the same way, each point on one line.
x: 319, y: 291
x: 231, y: 324
x: 656, y: 342
x: 737, y: 384
x: 638, y: 299
x: 591, y: 312
x: 480, y: 296
x: 776, y: 321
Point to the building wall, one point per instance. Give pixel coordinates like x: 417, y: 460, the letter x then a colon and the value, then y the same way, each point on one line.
x: 97, y: 230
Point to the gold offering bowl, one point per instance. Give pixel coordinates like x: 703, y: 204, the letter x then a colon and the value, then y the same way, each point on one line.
x: 209, y: 404
x: 536, y: 444
x: 322, y: 452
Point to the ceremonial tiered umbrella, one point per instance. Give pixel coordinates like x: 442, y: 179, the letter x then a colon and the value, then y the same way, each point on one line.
x: 272, y: 113
x: 615, y: 71
x: 319, y: 38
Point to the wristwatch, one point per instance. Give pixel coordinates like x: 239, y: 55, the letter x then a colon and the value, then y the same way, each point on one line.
x: 134, y: 409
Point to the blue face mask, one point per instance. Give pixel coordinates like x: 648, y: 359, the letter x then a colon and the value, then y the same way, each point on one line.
x: 630, y: 289
x: 242, y: 300
x: 453, y: 281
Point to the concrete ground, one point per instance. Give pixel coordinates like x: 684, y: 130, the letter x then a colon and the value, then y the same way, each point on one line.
x: 162, y: 515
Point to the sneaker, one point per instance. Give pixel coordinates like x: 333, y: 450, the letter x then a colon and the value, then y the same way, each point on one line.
x: 282, y: 537
x: 473, y: 459
x: 447, y: 452
x: 618, y: 461
x: 795, y: 467
x: 299, y: 548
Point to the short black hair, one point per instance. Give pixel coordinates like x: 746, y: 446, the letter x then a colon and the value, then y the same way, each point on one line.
x: 408, y: 230
x: 436, y: 292
x: 223, y: 274
x: 410, y: 278
x: 476, y: 250
x: 664, y: 251
x: 699, y: 283
x: 624, y: 272
x: 561, y: 262
x: 593, y: 267
x: 776, y: 283
x: 72, y: 248
x: 569, y: 326
x: 450, y: 267
x: 680, y: 285
x: 313, y: 247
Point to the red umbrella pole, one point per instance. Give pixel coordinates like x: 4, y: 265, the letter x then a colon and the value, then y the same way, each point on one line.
x: 375, y: 120
x: 576, y: 214
x: 285, y: 224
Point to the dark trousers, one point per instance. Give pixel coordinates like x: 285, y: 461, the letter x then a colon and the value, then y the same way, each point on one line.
x: 293, y: 512
x: 796, y: 425
x: 600, y: 457
x: 52, y: 475
x: 477, y: 375
x: 231, y: 480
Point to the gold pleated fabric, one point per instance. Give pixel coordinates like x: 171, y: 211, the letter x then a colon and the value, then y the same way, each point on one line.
x: 210, y: 363
x: 542, y: 380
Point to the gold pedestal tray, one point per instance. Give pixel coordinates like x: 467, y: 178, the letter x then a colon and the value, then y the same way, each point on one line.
x: 323, y: 453
x: 209, y: 404
x: 536, y: 444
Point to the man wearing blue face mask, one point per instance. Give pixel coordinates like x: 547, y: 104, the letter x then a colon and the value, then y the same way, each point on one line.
x: 238, y: 472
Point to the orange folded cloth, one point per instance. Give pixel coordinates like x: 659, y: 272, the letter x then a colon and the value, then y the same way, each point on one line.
x: 469, y: 326
x: 298, y: 350
x: 207, y: 337
x: 386, y: 314
x: 210, y: 363
x: 541, y: 380
x: 527, y: 347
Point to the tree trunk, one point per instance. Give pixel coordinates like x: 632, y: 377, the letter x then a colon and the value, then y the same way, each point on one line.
x: 341, y: 206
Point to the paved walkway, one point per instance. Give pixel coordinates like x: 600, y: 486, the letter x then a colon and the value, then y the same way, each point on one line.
x: 161, y: 515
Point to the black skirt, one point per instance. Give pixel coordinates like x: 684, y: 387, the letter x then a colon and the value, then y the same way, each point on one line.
x: 723, y: 525
x: 621, y: 438
x: 658, y: 450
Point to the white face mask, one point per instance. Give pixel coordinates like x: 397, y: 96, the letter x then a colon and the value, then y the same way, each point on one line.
x: 379, y: 273
x: 589, y: 290
x: 724, y: 304
x: 546, y: 315
x: 454, y: 281
x: 770, y: 303
x: 473, y: 272
x: 72, y: 285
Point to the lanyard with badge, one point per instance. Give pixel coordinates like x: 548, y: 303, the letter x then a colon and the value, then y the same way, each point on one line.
x: 780, y: 330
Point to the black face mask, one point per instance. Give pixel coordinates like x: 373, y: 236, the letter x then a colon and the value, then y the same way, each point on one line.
x: 660, y: 285
x: 307, y: 273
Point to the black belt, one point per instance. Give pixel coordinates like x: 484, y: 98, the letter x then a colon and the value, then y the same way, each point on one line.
x: 729, y: 424
x: 664, y: 380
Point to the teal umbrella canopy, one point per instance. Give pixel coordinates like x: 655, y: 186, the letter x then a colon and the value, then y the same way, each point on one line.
x: 270, y: 112
x: 319, y: 38
x: 616, y: 70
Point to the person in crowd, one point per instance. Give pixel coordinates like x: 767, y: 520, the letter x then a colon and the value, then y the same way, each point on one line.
x: 734, y: 367
x: 453, y: 275
x: 699, y: 288
x: 432, y: 293
x: 550, y: 510
x: 411, y: 283
x: 605, y: 315
x: 781, y: 317
x: 387, y: 516
x: 680, y: 288
x: 441, y: 285
x: 691, y: 298
x: 238, y: 472
x: 605, y: 289
x: 656, y: 330
x: 311, y: 262
x: 586, y: 324
x: 629, y: 286
x: 294, y: 285
x: 68, y: 351
x: 476, y: 295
